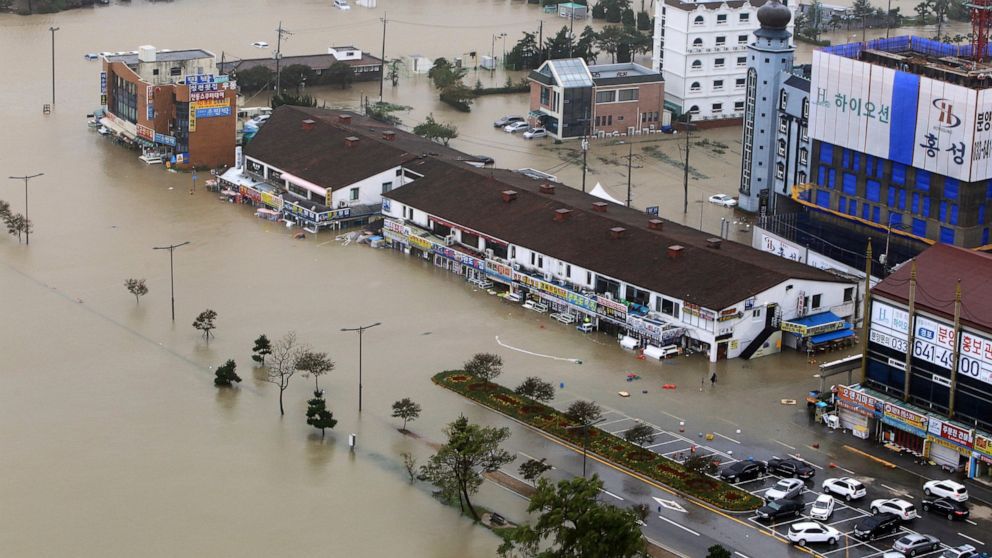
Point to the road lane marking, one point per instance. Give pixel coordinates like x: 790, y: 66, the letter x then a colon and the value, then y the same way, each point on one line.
x: 683, y: 527
x: 741, y: 555
x: 532, y: 458
x: 602, y: 424
x: 726, y: 437
x: 659, y: 545
x: 670, y: 504
x: 883, y: 485
x: 662, y: 443
x: 680, y: 419
x: 970, y: 521
x: 793, y: 448
x: 608, y: 493
x: 848, y: 471
x: 971, y: 539
x: 796, y: 456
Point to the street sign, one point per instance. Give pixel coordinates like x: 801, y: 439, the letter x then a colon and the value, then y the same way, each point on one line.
x: 670, y: 504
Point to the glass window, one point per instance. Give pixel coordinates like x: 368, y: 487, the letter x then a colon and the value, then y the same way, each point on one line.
x: 386, y: 187
x: 697, y: 42
x: 697, y: 65
x: 606, y: 96
x: 718, y: 84
x: 950, y: 188
x: 803, y: 156
x: 695, y: 86
x: 738, y: 106
x: 739, y: 83
x: 354, y: 194
x: 720, y: 41
x: 741, y: 61
x: 721, y: 19
x: 628, y: 94
x: 717, y: 108
x: 718, y: 63
x: 694, y: 109
x: 742, y: 39
x: 745, y: 17
x: 699, y: 20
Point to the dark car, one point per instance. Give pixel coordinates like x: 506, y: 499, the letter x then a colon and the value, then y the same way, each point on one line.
x: 875, y: 526
x: 946, y: 507
x: 791, y: 468
x: 743, y: 470
x: 780, y: 508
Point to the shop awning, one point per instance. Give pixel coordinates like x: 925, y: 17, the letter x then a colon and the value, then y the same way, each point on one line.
x: 814, y: 324
x: 117, y: 128
x: 832, y: 336
x: 306, y: 184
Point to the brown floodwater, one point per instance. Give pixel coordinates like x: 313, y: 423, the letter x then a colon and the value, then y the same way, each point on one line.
x: 113, y: 439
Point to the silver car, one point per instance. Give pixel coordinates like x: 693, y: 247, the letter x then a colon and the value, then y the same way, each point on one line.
x: 785, y: 489
x: 915, y: 543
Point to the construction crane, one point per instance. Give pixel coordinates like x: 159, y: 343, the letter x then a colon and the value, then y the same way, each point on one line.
x: 981, y: 22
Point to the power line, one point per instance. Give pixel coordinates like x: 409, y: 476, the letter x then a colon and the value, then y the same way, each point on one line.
x: 280, y: 31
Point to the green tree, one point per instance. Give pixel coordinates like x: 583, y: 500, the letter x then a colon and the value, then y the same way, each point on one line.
x: 532, y: 469
x: 262, y: 348
x: 536, y: 389
x: 296, y: 75
x: 340, y: 73
x: 485, y: 366
x: 282, y: 364
x: 226, y: 375
x: 255, y: 78
x: 410, y: 464
x: 444, y: 74
x: 457, y: 467
x: 17, y: 225
x: 700, y: 464
x: 922, y: 9
x: 4, y: 211
x: 524, y: 55
x: 317, y: 414
x: 573, y: 523
x: 609, y: 40
x: 718, y: 551
x: 293, y: 100
x: 557, y: 46
x: 599, y: 10
x: 136, y: 287
x: 862, y: 9
x: 393, y: 74
x: 958, y: 10
x: 641, y: 434
x: 383, y: 111
x: 205, y: 322
x: 614, y: 13
x: 585, y: 47
x: 627, y: 18
x: 407, y: 410
x: 435, y: 131
x: 584, y: 412
x: 313, y: 363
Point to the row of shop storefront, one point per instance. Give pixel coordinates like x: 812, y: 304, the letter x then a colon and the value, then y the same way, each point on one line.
x: 598, y: 310
x: 949, y: 444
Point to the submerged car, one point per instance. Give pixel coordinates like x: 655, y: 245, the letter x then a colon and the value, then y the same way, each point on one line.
x: 515, y: 127
x: 535, y: 133
x: 723, y: 199
x: 504, y: 121
x: 260, y: 44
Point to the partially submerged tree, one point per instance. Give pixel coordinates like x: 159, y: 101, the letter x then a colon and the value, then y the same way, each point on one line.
x: 536, y: 389
x: 262, y: 348
x: 485, y: 366
x: 406, y: 410
x: 383, y: 111
x: 457, y: 467
x: 341, y: 74
x: 641, y: 434
x: 317, y: 414
x: 584, y: 412
x: 532, y: 469
x: 315, y: 364
x: 438, y: 132
x: 282, y: 364
x: 255, y: 78
x: 573, y: 523
x: 205, y: 322
x: 225, y: 375
x: 136, y: 287
x: 410, y: 464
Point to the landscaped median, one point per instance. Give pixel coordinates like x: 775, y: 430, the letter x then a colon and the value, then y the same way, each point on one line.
x: 607, y: 446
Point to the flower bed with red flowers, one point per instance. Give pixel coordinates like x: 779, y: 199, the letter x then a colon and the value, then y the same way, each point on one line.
x: 607, y: 446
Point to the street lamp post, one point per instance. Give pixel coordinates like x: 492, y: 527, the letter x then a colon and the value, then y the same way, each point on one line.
x: 361, y: 331
x: 492, y: 51
x: 585, y: 440
x: 884, y: 259
x: 27, y: 220
x: 172, y: 275
x: 53, y: 30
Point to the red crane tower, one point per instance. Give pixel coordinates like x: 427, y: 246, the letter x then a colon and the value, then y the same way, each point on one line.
x: 981, y: 22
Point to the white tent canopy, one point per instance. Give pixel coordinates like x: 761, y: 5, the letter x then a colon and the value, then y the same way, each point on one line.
x: 602, y: 194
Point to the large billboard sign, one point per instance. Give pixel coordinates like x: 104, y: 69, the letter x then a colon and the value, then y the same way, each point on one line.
x: 928, y: 124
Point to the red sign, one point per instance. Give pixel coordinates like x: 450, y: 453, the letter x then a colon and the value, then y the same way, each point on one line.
x: 857, y: 401
x: 955, y: 434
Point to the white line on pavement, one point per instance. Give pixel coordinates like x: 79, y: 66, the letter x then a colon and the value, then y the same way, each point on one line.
x: 673, y: 416
x: 970, y: 521
x: 971, y: 539
x: 890, y: 488
x: 726, y: 437
x: 848, y: 471
x: 602, y: 424
x: 607, y: 492
x: 662, y: 443
x: 741, y: 555
x: 531, y: 457
x: 683, y: 527
x: 784, y: 444
x: 659, y: 545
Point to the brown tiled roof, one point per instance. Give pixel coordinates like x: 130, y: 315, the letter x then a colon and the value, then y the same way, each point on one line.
x: 938, y: 270
x: 690, y: 6
x: 320, y: 154
x: 711, y: 277
x: 315, y: 61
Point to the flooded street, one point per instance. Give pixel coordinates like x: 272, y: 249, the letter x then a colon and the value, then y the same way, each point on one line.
x: 113, y: 439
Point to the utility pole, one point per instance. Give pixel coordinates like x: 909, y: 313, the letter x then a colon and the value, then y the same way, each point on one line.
x: 382, y: 71
x: 907, y: 372
x: 280, y: 31
x: 27, y: 221
x: 571, y: 32
x: 866, y: 315
x: 172, y: 274
x: 540, y: 42
x: 956, y: 355
x: 585, y: 150
x: 53, y: 30
x: 685, y: 167
x: 630, y: 160
x: 361, y: 331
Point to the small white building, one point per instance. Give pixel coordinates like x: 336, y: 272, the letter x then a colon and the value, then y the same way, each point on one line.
x: 701, y: 49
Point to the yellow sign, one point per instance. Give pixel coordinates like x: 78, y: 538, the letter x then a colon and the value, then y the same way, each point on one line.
x: 213, y: 103
x: 420, y: 242
x: 946, y: 444
x: 272, y: 201
x: 983, y: 445
x: 192, y: 117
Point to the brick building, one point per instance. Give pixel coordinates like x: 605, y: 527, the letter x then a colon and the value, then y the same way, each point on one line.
x: 572, y: 99
x: 173, y: 103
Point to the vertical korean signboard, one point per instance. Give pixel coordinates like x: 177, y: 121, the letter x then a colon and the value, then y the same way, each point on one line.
x: 149, y: 102
x: 889, y: 327
x: 103, y: 89
x: 945, y: 125
x: 192, y: 116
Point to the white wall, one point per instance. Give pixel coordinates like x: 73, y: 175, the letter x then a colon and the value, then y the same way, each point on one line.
x: 369, y: 189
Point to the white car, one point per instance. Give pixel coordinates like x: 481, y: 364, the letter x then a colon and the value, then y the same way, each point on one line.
x: 723, y: 199
x: 535, y: 133
x: 905, y: 510
x: 785, y: 488
x: 963, y: 551
x: 850, y: 489
x: 342, y: 4
x: 260, y: 44
x: 946, y: 489
x: 516, y: 127
x: 823, y: 507
x: 805, y: 532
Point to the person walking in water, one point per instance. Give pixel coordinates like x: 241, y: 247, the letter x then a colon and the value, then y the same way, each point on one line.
x: 713, y: 379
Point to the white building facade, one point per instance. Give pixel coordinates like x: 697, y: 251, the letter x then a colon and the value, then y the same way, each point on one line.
x: 701, y: 49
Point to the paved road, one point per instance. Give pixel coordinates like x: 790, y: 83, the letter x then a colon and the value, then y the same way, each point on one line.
x: 690, y: 528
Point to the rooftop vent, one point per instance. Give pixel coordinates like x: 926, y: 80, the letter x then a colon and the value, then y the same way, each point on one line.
x: 146, y: 53
x: 656, y: 224
x: 562, y: 214
x: 600, y: 206
x: 509, y: 195
x: 618, y: 232
x: 389, y: 135
x: 351, y: 141
x: 547, y: 188
x: 344, y: 118
x: 714, y: 243
x: 675, y: 251
x: 308, y: 124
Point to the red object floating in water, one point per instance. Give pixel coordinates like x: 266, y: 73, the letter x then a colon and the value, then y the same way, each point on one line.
x: 668, y: 386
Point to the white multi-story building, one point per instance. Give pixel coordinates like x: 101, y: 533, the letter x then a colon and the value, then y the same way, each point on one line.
x: 701, y: 49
